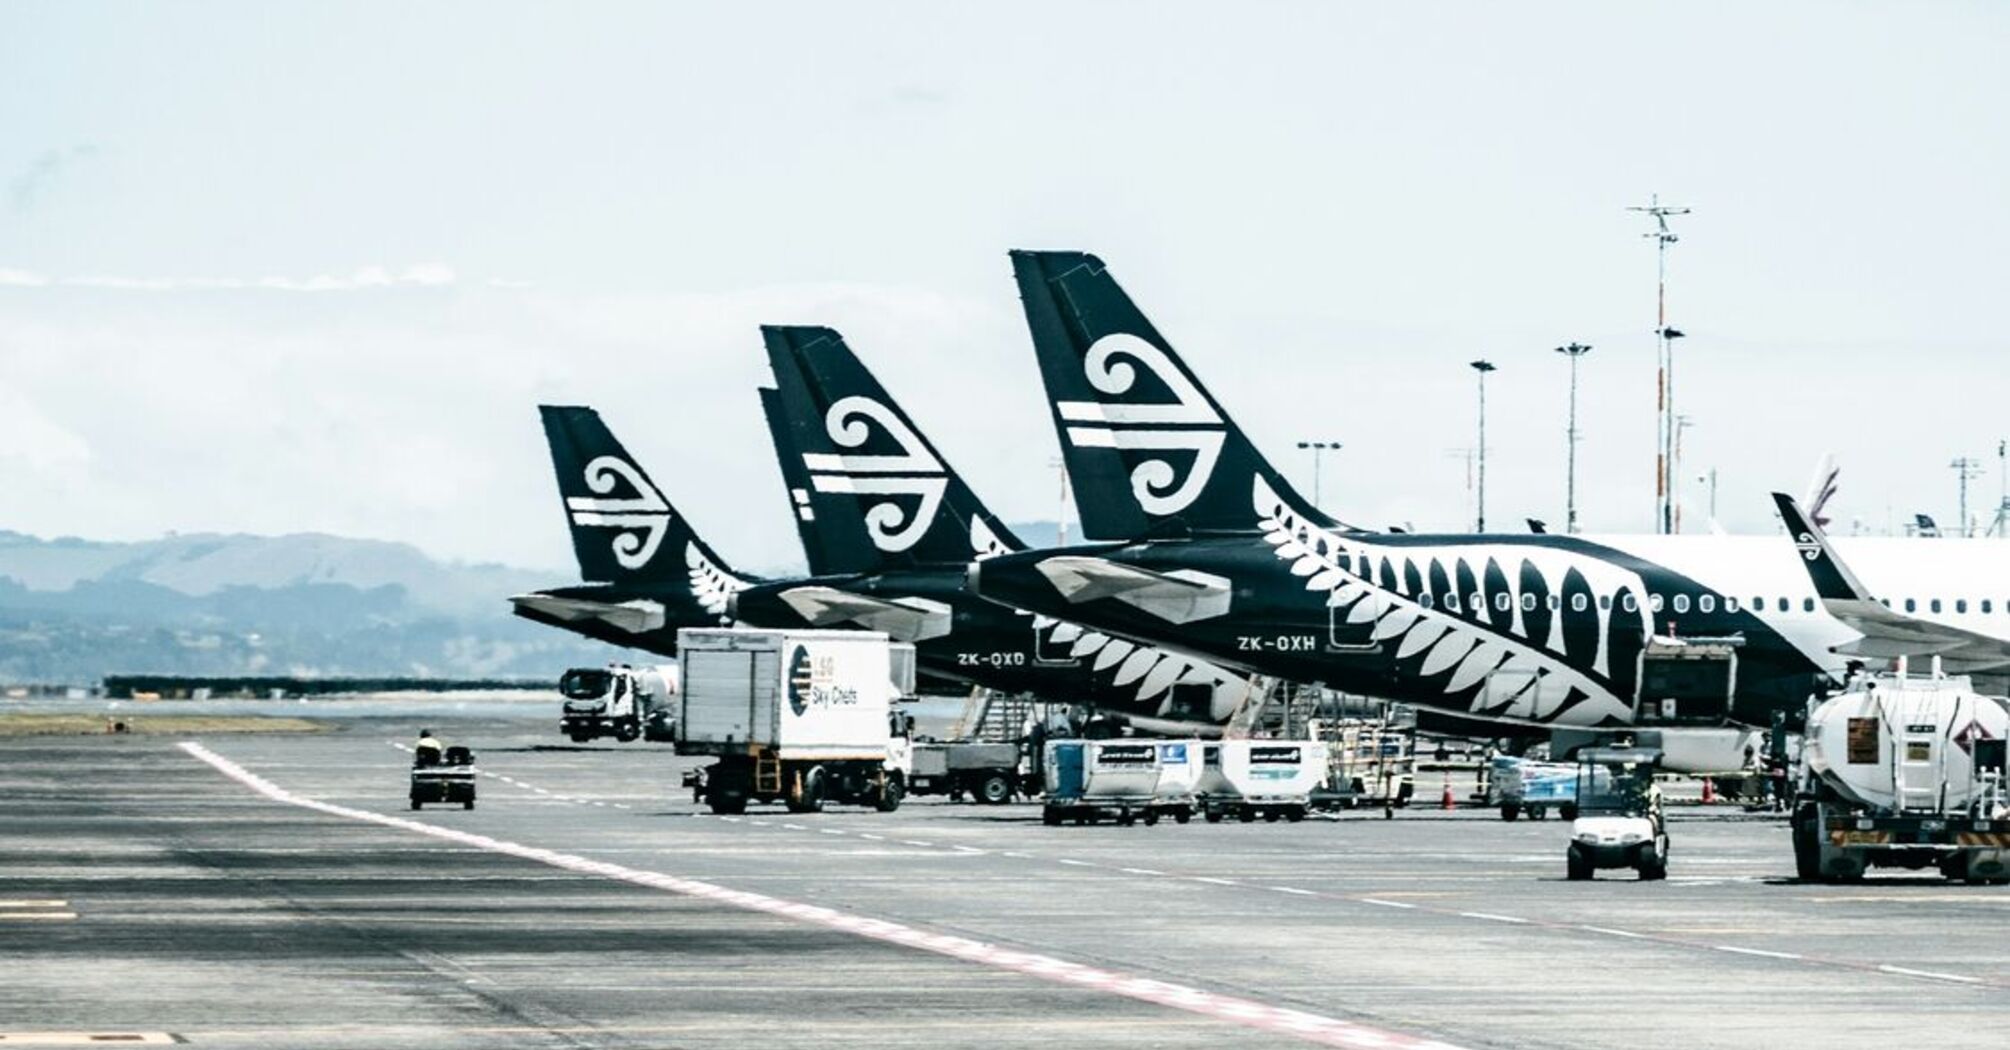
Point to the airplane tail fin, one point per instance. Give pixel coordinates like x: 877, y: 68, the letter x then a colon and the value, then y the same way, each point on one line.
x: 623, y: 530
x: 1832, y: 578
x: 881, y: 495
x: 1149, y: 450
x: 827, y: 556
x: 1821, y: 489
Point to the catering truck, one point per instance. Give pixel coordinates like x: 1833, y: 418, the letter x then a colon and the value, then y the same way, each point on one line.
x: 798, y: 717
x: 619, y: 700
x: 1908, y: 772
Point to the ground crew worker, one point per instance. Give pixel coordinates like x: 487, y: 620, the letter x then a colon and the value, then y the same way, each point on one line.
x: 428, y: 750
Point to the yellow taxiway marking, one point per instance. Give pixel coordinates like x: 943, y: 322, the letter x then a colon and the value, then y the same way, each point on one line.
x: 36, y: 915
x: 85, y: 1038
x: 34, y: 904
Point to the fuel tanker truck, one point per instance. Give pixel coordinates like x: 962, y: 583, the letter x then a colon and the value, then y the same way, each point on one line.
x: 1904, y: 772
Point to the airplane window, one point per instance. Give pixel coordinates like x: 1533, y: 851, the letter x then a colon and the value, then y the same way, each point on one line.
x: 1452, y: 602
x: 1961, y: 605
x: 1479, y: 603
x: 1786, y: 606
x: 1985, y: 605
x: 1528, y: 603
x: 1654, y: 602
x: 1626, y: 602
x: 1555, y: 603
x: 1577, y: 603
x: 1758, y: 605
x: 1934, y: 605
x: 1424, y: 600
x: 1707, y: 603
x: 1681, y: 603
x: 1807, y: 605
x: 1886, y: 602
x: 1911, y: 606
x: 1502, y: 601
x: 1605, y: 602
x: 1730, y: 603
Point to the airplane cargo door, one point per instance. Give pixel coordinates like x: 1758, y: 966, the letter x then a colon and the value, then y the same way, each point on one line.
x: 1352, y: 627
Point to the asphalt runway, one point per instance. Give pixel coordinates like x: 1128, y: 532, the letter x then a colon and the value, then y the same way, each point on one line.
x: 275, y: 891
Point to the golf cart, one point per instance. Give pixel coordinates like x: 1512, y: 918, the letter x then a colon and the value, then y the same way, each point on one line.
x: 1619, y: 822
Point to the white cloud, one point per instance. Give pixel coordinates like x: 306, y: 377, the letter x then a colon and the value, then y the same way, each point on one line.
x: 422, y: 275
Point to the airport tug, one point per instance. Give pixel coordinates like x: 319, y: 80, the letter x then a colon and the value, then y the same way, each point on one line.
x: 1619, y: 823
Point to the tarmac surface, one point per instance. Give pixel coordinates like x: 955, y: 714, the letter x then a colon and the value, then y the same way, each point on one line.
x: 275, y: 891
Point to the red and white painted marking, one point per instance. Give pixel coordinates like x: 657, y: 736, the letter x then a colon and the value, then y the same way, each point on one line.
x: 1314, y: 1028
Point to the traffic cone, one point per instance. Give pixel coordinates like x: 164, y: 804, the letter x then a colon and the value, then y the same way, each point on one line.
x: 1447, y: 801
x: 1709, y: 790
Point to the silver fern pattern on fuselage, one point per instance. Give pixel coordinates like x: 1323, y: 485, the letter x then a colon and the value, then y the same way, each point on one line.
x: 1570, y: 663
x: 711, y: 585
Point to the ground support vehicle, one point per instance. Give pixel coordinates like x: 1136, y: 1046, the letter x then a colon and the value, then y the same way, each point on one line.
x: 797, y: 717
x: 1525, y: 786
x: 1124, y: 779
x: 1248, y: 779
x: 450, y: 779
x: 1904, y: 772
x: 620, y: 700
x: 987, y: 773
x: 1371, y: 762
x: 1619, y: 823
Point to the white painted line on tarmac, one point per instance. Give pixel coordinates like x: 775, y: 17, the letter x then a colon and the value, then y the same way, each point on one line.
x: 1017, y: 854
x: 795, y: 827
x: 832, y: 831
x: 86, y: 1038
x: 760, y: 823
x: 1760, y: 952
x: 1292, y: 889
x: 34, y: 904
x: 1214, y: 881
x: 917, y: 842
x: 619, y: 805
x: 1251, y: 1013
x: 38, y: 916
x: 1078, y: 863
x: 1933, y: 975
x: 1380, y: 903
x: 1491, y: 917
x: 873, y: 837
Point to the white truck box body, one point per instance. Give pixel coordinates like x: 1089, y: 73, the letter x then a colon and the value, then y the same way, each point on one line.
x: 1903, y: 747
x: 1262, y: 769
x: 800, y: 694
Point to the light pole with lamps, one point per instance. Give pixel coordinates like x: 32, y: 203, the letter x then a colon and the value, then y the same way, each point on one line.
x: 1316, y: 448
x: 1480, y: 517
x: 1574, y: 351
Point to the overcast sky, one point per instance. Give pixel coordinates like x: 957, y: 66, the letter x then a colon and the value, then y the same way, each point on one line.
x: 273, y: 268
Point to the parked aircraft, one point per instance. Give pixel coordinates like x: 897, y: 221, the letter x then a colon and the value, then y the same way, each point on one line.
x: 1212, y: 552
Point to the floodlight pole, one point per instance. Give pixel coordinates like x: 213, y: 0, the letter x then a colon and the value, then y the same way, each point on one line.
x: 1574, y: 351
x: 1480, y: 518
x: 1316, y: 448
x: 1664, y: 389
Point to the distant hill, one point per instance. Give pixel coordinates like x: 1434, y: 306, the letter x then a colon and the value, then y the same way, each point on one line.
x: 73, y: 610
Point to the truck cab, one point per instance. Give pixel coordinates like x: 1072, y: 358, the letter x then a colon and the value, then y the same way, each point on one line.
x: 618, y: 700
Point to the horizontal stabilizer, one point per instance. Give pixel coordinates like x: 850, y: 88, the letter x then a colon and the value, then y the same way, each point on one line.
x: 1180, y: 596
x: 636, y: 617
x: 905, y: 620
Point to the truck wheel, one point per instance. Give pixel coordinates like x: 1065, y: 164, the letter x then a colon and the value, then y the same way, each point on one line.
x: 1050, y: 816
x: 1125, y: 819
x: 1151, y: 818
x: 890, y: 794
x: 1807, y: 851
x: 1270, y: 816
x: 1246, y: 815
x: 627, y: 732
x: 580, y: 738
x: 1509, y: 811
x: 1567, y: 811
x: 1213, y: 816
x: 1577, y: 867
x: 1295, y: 814
x: 995, y: 789
x: 727, y: 803
x: 415, y: 803
x: 1653, y: 870
x: 469, y: 804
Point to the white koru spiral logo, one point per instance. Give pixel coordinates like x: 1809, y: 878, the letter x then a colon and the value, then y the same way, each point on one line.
x: 876, y: 479
x: 1187, y: 424
x: 1805, y: 543
x: 639, y: 520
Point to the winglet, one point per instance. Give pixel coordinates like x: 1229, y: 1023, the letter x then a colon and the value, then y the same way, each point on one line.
x: 1832, y: 579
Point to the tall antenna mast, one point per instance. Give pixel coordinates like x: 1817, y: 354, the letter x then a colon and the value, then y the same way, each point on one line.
x: 1965, y: 469
x: 1664, y: 382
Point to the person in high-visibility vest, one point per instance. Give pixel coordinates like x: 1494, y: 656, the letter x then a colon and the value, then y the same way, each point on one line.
x: 428, y: 750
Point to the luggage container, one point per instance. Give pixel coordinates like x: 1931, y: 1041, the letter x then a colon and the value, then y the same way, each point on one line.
x: 1525, y: 786
x: 1247, y: 779
x: 1124, y: 779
